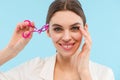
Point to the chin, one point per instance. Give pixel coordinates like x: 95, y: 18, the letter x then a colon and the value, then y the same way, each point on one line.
x: 67, y: 54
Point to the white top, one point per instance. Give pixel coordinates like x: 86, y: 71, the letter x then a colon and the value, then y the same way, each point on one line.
x: 43, y: 69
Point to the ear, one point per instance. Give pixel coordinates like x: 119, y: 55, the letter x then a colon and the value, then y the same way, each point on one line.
x: 48, y: 33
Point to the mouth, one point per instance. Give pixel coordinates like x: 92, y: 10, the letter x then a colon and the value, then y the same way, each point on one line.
x: 67, y: 46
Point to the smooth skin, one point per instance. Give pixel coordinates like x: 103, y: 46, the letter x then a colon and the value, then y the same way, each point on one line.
x: 17, y: 42
x: 66, y: 31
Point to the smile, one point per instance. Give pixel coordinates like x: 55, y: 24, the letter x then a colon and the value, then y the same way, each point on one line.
x: 67, y: 46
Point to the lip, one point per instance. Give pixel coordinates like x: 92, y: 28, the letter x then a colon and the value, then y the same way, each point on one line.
x: 67, y: 46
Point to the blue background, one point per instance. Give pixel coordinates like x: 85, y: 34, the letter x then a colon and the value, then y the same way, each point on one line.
x: 103, y: 18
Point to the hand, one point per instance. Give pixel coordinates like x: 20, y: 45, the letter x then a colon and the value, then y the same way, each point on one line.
x: 84, y: 55
x: 17, y: 42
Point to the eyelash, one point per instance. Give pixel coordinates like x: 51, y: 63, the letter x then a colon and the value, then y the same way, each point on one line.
x: 57, y: 29
x: 73, y: 29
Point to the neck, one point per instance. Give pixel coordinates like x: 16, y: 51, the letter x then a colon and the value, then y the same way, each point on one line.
x: 66, y: 63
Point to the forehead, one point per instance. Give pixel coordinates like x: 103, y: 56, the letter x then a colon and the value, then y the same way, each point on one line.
x: 65, y: 18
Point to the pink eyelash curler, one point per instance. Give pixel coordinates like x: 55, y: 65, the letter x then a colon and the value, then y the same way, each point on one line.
x: 44, y: 28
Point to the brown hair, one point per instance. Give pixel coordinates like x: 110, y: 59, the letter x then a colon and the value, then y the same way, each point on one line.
x: 71, y: 5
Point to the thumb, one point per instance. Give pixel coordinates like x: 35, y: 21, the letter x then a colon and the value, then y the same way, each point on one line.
x: 27, y: 34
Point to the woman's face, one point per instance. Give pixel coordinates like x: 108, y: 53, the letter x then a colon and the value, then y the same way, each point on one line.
x: 65, y: 33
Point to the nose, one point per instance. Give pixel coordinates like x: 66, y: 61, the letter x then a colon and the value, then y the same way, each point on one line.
x: 66, y: 36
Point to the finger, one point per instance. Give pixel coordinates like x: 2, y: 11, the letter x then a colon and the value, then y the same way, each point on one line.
x: 86, y: 27
x: 22, y: 25
x: 86, y: 35
x: 18, y: 28
x: 85, y: 53
x: 87, y: 45
x: 32, y: 23
x: 31, y: 30
x: 29, y: 24
x: 26, y: 25
x: 85, y: 48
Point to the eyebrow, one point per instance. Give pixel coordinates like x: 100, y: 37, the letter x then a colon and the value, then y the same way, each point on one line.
x: 70, y: 25
x: 56, y: 25
x: 76, y: 24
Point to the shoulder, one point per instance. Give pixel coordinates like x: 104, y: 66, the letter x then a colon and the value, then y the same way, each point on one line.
x: 41, y: 61
x: 35, y: 67
x: 101, y: 72
x: 38, y: 63
x: 99, y: 67
x: 31, y: 65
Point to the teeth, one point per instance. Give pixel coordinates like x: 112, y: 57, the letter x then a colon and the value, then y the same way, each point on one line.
x: 67, y: 46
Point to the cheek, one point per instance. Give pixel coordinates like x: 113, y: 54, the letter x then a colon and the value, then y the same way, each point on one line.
x: 55, y: 37
x: 77, y: 37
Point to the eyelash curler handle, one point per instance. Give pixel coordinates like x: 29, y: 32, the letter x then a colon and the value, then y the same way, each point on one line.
x: 44, y: 28
x: 26, y: 35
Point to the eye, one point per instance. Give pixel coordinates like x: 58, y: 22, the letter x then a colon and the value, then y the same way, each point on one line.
x: 57, y: 29
x: 75, y: 28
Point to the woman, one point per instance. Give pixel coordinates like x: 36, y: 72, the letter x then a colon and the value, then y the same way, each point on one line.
x: 67, y: 27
